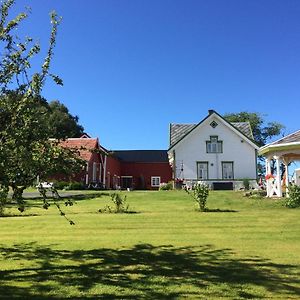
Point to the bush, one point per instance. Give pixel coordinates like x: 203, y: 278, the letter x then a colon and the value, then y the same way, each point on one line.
x: 246, y: 183
x: 120, y: 204
x: 200, y: 193
x: 60, y: 185
x: 294, y: 197
x: 75, y: 186
x: 166, y: 186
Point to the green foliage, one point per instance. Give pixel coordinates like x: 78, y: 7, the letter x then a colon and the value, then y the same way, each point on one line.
x: 262, y: 132
x: 166, y: 186
x: 61, y: 123
x: 246, y: 183
x: 25, y: 149
x: 75, y: 186
x: 120, y: 204
x: 3, y: 198
x: 200, y: 193
x: 294, y: 197
x: 60, y: 185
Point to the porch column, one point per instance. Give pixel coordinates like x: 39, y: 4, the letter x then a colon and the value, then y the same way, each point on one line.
x: 287, y: 180
x: 278, y: 179
x: 286, y: 165
x: 268, y: 171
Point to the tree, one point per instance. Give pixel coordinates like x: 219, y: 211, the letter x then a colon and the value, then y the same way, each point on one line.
x: 25, y: 148
x: 61, y: 123
x: 262, y: 131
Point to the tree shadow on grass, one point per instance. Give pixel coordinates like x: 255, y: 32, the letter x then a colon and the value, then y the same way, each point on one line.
x: 219, y: 210
x: 66, y: 196
x: 142, y: 272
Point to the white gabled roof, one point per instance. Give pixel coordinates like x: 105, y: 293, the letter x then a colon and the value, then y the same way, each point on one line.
x: 178, y: 132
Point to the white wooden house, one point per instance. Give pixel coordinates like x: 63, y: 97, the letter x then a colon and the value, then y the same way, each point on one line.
x: 215, y: 151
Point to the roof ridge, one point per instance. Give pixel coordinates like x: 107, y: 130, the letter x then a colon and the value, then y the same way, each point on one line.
x: 183, y: 123
x: 84, y: 139
x: 141, y: 150
x: 284, y: 137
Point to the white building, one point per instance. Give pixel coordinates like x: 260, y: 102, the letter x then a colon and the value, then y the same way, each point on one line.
x: 215, y: 151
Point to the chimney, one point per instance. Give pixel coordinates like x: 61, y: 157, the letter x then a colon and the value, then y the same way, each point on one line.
x: 210, y: 111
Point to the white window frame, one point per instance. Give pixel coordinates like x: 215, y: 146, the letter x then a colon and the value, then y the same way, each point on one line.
x: 214, y: 145
x: 205, y: 170
x: 155, y: 181
x: 227, y: 169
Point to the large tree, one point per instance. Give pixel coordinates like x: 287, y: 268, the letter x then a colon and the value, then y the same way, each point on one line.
x: 25, y: 148
x: 263, y: 131
x: 62, y: 123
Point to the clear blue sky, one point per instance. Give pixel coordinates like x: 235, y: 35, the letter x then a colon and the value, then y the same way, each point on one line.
x: 131, y: 67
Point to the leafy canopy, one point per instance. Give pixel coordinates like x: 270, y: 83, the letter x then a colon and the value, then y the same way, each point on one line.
x: 262, y: 131
x: 25, y: 148
x: 61, y: 123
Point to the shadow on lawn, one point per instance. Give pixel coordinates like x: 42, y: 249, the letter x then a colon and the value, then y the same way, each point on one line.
x: 66, y: 195
x: 143, y: 272
x: 219, y: 210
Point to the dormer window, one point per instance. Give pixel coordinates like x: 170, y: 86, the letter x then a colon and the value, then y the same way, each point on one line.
x: 214, y: 145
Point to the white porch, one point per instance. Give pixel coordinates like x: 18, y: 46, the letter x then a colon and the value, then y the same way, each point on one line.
x: 281, y: 152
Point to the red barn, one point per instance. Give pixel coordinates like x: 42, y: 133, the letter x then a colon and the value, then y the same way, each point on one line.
x: 95, y: 156
x: 123, y: 169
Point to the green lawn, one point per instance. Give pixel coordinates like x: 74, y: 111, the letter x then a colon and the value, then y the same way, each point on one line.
x: 166, y: 250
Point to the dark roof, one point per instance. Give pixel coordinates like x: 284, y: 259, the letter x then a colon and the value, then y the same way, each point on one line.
x: 141, y: 155
x: 244, y: 127
x: 178, y: 131
x: 291, y: 138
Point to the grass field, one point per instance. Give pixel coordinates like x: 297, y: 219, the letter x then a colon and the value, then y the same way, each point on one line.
x: 166, y: 249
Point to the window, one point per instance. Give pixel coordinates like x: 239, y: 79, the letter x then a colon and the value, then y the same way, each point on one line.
x: 214, y: 145
x: 94, y: 171
x: 202, y: 170
x: 227, y: 170
x: 155, y: 181
x: 100, y: 172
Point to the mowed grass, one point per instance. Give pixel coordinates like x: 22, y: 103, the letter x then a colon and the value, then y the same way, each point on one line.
x: 163, y: 249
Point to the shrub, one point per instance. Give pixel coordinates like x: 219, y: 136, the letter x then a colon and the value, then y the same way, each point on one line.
x: 294, y: 197
x: 166, y: 186
x: 120, y: 204
x: 75, y: 186
x: 246, y: 183
x: 200, y: 193
x: 60, y: 185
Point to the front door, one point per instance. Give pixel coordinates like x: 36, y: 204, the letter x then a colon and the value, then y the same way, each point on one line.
x: 126, y: 182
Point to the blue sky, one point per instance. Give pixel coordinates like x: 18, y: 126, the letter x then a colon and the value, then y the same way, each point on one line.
x: 131, y: 67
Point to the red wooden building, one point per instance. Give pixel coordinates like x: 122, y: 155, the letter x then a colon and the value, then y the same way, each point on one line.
x: 95, y: 156
x: 138, y: 169
x: 123, y: 169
